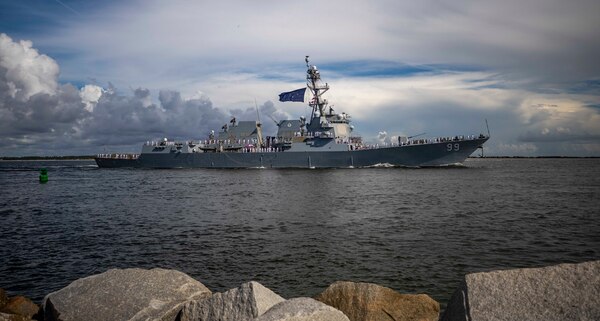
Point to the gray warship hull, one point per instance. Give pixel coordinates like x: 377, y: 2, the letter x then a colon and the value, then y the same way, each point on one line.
x: 417, y: 155
x: 325, y: 141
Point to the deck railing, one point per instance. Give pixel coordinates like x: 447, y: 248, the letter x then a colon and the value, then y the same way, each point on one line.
x: 118, y: 156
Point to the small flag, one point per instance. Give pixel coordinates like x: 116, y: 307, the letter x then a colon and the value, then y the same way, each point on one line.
x: 296, y: 95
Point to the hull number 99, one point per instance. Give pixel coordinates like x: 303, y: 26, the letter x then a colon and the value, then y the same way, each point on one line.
x: 453, y: 147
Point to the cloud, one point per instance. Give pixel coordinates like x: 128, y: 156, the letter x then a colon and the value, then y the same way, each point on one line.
x: 560, y: 134
x: 31, y: 101
x: 268, y: 115
x: 546, y: 43
x: 127, y: 120
x: 24, y: 71
x: 559, y: 118
x: 522, y: 149
x: 90, y: 94
x: 37, y: 115
x: 549, y: 41
x: 384, y: 138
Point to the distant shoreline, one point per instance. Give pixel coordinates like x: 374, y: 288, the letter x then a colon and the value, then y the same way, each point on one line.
x: 89, y: 157
x: 47, y: 158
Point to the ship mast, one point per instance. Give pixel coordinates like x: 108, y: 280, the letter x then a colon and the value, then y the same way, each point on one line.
x: 314, y: 83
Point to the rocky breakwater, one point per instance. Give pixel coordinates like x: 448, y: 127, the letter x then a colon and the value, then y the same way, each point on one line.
x: 168, y: 295
x: 562, y: 292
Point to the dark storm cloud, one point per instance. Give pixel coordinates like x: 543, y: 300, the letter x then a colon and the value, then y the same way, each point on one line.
x: 189, y: 118
x: 39, y: 113
x: 116, y: 119
x: 119, y: 119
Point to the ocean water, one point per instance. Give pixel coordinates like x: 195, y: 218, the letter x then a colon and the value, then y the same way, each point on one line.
x: 296, y: 231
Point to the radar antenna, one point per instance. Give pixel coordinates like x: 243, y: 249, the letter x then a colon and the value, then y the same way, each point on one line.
x: 317, y: 88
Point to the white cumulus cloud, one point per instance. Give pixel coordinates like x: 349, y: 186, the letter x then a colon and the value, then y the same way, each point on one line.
x: 25, y: 71
x: 90, y: 94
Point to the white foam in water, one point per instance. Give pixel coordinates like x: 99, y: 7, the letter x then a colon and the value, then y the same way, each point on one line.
x: 384, y: 165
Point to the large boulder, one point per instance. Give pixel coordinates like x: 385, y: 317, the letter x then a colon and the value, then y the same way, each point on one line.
x: 124, y: 294
x: 367, y: 301
x: 560, y: 292
x: 302, y: 309
x: 20, y: 305
x: 246, y: 302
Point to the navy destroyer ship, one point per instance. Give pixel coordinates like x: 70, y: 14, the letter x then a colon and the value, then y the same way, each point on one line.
x: 325, y: 140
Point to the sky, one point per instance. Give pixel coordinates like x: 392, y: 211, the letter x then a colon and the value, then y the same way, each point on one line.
x: 81, y: 77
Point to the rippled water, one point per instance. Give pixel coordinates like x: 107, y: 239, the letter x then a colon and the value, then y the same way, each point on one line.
x: 296, y: 231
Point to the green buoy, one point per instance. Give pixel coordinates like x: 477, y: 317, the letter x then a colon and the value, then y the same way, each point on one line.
x: 43, y: 175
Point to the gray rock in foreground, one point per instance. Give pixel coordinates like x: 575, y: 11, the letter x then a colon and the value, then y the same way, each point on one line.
x: 246, y: 302
x: 302, y: 309
x: 560, y: 292
x: 124, y: 294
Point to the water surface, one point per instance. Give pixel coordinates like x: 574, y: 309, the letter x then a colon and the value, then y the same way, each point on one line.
x: 296, y: 231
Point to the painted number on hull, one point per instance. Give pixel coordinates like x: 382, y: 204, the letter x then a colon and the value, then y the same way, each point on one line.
x: 453, y: 147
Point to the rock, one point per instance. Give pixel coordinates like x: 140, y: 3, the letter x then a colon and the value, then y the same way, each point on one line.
x: 367, y: 301
x: 302, y: 309
x: 124, y: 294
x: 13, y: 317
x: 20, y: 305
x: 560, y: 292
x: 246, y: 302
x: 3, y: 298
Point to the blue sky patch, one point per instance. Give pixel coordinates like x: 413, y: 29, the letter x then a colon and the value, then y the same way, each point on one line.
x: 373, y: 68
x: 590, y: 86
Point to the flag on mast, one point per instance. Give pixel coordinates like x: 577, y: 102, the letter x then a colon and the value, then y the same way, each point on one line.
x: 296, y: 95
